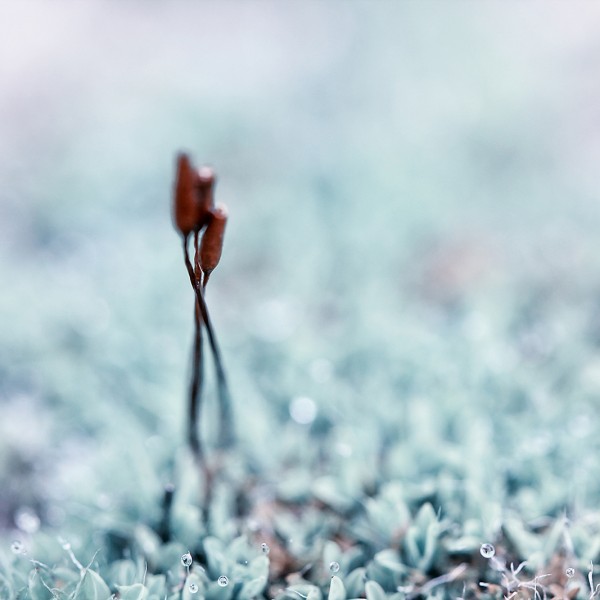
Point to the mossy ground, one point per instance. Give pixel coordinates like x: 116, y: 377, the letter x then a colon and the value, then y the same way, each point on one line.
x: 408, y: 301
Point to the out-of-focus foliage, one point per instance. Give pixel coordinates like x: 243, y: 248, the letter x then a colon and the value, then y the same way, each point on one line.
x: 408, y: 302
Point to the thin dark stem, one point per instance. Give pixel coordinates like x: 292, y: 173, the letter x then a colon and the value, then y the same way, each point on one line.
x: 197, y: 379
x: 196, y: 387
x: 167, y: 504
x: 226, y: 429
x: 226, y: 435
x: 188, y: 263
x: 197, y: 269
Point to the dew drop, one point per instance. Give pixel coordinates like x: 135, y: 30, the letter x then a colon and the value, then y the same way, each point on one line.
x: 17, y: 547
x: 186, y: 559
x: 334, y: 567
x: 193, y: 588
x: 265, y: 548
x: 223, y: 581
x: 487, y: 550
x: 570, y: 572
x: 303, y: 410
x: 26, y: 520
x: 253, y: 524
x: 64, y: 544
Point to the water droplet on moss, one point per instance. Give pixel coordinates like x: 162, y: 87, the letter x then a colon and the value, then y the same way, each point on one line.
x: 253, y: 524
x: 17, y: 547
x: 186, y: 559
x: 193, y: 588
x: 265, y: 548
x: 334, y: 567
x: 570, y: 572
x: 26, y: 520
x: 303, y: 410
x: 223, y: 581
x: 487, y: 550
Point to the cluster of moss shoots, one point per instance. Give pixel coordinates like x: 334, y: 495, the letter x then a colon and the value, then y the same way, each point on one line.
x: 201, y: 224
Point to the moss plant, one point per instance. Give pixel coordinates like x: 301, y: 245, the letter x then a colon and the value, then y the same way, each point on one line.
x: 196, y: 216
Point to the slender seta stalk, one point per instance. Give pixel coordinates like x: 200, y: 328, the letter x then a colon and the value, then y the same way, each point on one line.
x: 195, y: 391
x: 194, y: 213
x: 226, y: 429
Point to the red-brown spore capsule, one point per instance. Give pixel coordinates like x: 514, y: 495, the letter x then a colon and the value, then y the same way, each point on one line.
x: 205, y: 185
x: 185, y: 201
x: 212, y: 240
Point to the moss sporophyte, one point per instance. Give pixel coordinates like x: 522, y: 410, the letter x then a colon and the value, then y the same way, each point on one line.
x: 197, y: 218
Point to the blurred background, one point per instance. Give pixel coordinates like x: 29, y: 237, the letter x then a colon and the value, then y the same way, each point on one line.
x: 411, y: 269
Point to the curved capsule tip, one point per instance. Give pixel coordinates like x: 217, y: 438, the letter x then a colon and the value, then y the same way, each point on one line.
x: 211, y: 246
